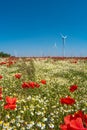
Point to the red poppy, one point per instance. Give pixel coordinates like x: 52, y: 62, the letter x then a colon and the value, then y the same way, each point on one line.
x: 79, y: 114
x: 43, y: 81
x: 63, y: 127
x: 10, y: 103
x: 82, y: 116
x: 25, y: 85
x: 0, y: 90
x: 67, y: 100
x: 0, y: 97
x: 10, y: 100
x: 9, y: 63
x: 10, y: 106
x: 37, y: 85
x: 2, y: 63
x: 68, y: 118
x: 73, y: 88
x: 77, y: 124
x: 0, y: 93
x: 74, y: 122
x: 31, y: 84
x: 18, y: 76
x: 1, y: 76
x: 85, y: 120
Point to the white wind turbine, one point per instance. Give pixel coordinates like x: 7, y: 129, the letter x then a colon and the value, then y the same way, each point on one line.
x: 15, y: 53
x: 55, y: 47
x: 63, y: 39
x: 42, y: 53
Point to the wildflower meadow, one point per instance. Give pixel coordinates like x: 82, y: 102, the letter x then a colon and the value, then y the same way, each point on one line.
x: 43, y: 94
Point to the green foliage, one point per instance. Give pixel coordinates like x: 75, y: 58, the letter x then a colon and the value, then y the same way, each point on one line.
x: 2, y: 54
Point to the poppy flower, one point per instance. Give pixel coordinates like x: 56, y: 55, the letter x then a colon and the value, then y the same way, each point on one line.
x: 77, y: 124
x: 0, y: 93
x: 2, y: 63
x: 74, y: 122
x: 73, y: 88
x: 68, y: 118
x: 67, y: 100
x: 10, y: 103
x: 37, y: 85
x: 43, y: 81
x: 10, y: 106
x: 0, y: 97
x: 79, y: 114
x: 9, y: 63
x: 0, y: 90
x: 1, y: 76
x: 18, y: 76
x: 31, y: 84
x: 25, y: 85
x: 85, y: 120
x: 82, y: 116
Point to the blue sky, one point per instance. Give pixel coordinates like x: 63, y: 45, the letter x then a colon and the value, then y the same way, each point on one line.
x: 32, y: 27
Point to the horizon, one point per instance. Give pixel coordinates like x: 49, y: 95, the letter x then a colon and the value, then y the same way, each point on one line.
x: 34, y: 28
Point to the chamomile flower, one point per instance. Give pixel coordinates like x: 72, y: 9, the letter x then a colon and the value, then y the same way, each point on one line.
x: 51, y: 125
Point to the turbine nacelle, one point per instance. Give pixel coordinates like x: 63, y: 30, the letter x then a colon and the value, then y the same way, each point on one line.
x: 63, y: 37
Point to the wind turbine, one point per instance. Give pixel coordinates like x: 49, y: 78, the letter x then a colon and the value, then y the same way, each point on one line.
x: 42, y: 53
x: 63, y: 39
x: 15, y: 53
x: 55, y: 46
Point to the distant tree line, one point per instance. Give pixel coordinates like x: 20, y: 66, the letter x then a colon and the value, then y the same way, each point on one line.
x: 2, y: 54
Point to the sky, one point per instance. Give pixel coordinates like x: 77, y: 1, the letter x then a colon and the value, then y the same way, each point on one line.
x: 33, y: 27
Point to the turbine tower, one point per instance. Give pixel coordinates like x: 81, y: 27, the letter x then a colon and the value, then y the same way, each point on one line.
x: 63, y: 39
x: 15, y: 53
x: 55, y: 47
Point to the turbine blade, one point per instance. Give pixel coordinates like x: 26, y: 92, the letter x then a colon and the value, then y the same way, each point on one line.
x: 55, y: 46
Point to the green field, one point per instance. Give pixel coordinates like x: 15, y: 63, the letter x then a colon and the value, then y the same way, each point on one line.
x: 39, y: 107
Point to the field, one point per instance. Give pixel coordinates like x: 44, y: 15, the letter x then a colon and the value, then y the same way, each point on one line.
x: 32, y: 92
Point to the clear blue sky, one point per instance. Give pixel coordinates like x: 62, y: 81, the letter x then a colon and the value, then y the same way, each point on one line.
x: 32, y: 27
